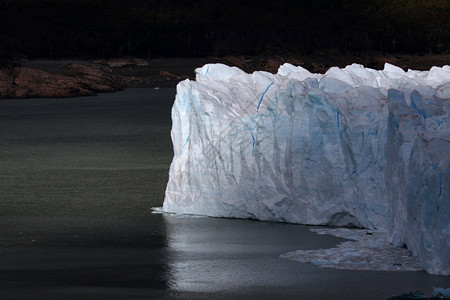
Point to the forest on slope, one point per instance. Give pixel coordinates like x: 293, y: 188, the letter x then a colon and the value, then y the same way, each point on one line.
x: 196, y: 28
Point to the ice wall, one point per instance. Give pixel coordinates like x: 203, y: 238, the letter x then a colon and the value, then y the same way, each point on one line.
x: 418, y: 177
x: 353, y: 146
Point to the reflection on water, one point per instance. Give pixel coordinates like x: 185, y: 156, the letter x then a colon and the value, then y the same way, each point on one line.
x: 213, y: 255
x: 241, y: 258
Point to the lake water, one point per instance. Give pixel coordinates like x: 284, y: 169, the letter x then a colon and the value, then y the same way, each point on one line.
x: 77, y: 180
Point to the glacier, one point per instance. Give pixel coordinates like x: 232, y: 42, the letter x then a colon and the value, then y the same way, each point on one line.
x: 352, y: 147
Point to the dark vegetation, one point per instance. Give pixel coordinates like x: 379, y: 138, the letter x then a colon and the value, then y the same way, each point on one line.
x: 156, y: 28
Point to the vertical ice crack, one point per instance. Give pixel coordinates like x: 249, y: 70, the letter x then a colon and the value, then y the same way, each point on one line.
x: 338, y: 124
x: 262, y: 96
x: 253, y: 145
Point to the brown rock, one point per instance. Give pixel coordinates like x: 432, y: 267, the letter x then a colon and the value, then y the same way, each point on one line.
x: 236, y: 62
x: 26, y: 83
x: 122, y: 62
x: 81, y: 80
x: 273, y: 64
x: 6, y: 83
x: 166, y: 74
x: 95, y: 78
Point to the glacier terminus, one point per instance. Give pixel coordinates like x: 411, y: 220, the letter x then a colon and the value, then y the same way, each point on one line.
x: 351, y: 147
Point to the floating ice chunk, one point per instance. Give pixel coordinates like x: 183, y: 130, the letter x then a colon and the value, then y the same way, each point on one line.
x: 441, y: 292
x: 369, y: 250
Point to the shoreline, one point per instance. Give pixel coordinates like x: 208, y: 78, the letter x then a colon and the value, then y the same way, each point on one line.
x: 64, y: 78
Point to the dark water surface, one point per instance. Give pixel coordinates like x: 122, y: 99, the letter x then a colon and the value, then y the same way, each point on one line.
x: 77, y: 180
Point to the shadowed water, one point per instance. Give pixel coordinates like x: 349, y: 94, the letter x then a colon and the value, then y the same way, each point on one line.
x: 77, y: 180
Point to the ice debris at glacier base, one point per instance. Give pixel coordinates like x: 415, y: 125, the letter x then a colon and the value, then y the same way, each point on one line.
x: 353, y: 146
x: 368, y: 251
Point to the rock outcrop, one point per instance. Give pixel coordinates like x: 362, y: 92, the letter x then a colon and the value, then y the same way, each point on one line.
x: 123, y: 62
x: 98, y: 79
x: 78, y: 80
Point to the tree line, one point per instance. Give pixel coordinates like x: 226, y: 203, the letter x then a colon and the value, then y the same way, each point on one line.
x: 154, y: 28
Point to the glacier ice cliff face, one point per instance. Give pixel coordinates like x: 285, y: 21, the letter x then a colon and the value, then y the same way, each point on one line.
x: 353, y: 146
x: 418, y: 178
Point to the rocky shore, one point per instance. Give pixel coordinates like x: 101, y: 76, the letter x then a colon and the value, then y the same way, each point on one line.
x: 67, y: 78
x: 78, y: 80
x: 75, y: 78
